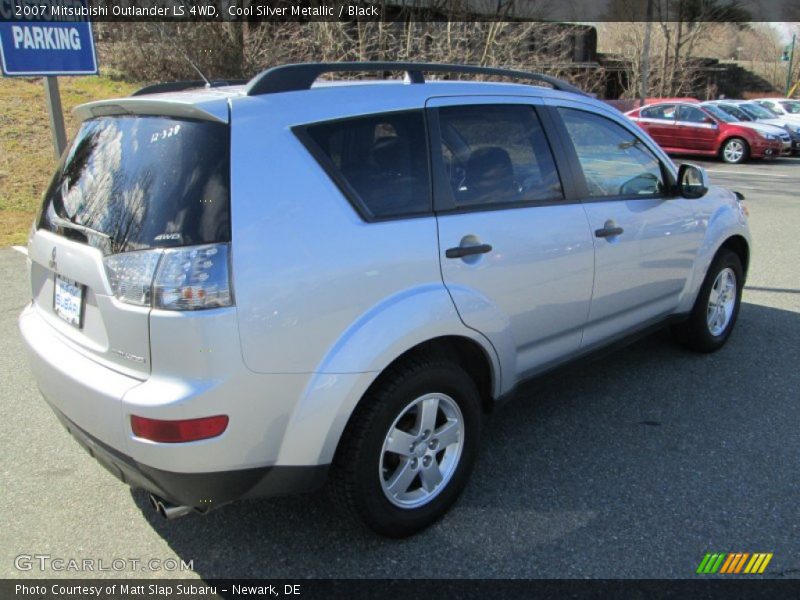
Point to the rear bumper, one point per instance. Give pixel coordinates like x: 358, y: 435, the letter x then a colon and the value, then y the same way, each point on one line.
x: 200, y: 490
x: 95, y: 404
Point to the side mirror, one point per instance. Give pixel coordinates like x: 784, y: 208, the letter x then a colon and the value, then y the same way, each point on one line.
x: 692, y: 181
x: 710, y: 121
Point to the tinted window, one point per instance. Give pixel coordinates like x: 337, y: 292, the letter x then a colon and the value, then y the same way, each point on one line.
x: 791, y: 107
x: 381, y: 161
x: 719, y: 113
x: 142, y: 182
x: 757, y: 111
x: 664, y: 112
x: 497, y: 155
x: 690, y: 114
x: 733, y: 110
x: 615, y: 162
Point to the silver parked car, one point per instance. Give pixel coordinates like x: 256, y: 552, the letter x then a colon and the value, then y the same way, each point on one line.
x: 247, y: 290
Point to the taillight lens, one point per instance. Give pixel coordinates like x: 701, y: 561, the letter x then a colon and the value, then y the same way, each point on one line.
x: 186, y: 278
x: 173, y: 432
x: 193, y: 278
x: 131, y: 275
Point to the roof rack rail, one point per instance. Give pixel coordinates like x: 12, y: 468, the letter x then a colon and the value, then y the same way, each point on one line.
x: 179, y: 86
x: 301, y: 76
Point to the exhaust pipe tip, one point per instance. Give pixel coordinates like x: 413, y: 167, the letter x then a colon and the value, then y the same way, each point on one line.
x: 173, y: 512
x: 168, y: 510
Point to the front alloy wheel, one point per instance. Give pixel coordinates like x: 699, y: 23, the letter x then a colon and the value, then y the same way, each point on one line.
x: 714, y: 313
x: 721, y: 302
x: 734, y: 151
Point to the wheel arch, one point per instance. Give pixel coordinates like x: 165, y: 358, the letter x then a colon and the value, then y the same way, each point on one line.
x: 739, y: 246
x: 466, y: 351
x: 423, y: 320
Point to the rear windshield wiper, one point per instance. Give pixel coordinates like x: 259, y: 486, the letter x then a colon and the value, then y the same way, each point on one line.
x: 66, y: 224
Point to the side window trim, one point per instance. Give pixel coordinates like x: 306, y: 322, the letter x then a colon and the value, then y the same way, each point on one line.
x: 443, y: 198
x: 570, y: 156
x: 347, y: 190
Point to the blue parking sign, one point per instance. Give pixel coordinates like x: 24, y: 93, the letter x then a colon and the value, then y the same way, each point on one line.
x: 41, y: 48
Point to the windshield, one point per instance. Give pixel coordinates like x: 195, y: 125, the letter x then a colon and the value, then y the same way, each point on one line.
x: 757, y: 111
x: 735, y: 112
x: 131, y: 183
x: 791, y: 107
x: 719, y: 113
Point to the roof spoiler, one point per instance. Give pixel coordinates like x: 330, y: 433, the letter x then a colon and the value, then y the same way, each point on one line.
x: 207, y: 111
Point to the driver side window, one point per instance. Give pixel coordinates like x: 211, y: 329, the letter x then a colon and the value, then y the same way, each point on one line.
x: 614, y: 161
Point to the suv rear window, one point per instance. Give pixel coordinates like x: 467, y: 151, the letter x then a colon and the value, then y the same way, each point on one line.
x: 132, y: 183
x: 379, y: 162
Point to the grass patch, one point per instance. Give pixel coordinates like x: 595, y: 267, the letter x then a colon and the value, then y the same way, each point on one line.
x: 27, y: 158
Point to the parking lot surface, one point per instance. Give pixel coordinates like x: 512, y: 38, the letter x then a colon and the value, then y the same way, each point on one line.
x: 631, y: 465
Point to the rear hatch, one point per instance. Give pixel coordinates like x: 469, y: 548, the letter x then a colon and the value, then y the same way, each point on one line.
x: 127, y: 184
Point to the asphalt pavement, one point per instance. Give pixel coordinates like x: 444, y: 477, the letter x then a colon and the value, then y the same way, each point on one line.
x: 635, y: 464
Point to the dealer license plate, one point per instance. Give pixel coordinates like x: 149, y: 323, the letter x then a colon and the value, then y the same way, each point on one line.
x: 68, y: 301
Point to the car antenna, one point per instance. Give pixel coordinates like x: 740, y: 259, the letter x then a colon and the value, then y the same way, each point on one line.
x: 199, y: 72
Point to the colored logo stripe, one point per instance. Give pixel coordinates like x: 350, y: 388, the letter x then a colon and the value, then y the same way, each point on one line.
x: 734, y: 563
x: 710, y: 563
x: 758, y: 563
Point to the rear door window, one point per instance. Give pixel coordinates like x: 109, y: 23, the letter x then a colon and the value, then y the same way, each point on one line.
x: 132, y: 183
x: 380, y: 162
x: 497, y: 155
x: 662, y: 112
x: 690, y: 114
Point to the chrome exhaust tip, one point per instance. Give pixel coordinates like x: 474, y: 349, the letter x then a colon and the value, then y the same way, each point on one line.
x: 171, y: 511
x: 168, y: 510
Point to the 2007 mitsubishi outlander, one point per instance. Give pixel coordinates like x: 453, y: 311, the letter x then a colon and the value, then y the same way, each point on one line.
x: 247, y: 290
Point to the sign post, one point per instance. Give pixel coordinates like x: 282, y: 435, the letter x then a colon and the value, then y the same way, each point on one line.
x: 53, y: 99
x: 43, y: 48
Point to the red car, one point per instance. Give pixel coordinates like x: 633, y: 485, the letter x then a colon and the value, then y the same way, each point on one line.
x: 687, y: 128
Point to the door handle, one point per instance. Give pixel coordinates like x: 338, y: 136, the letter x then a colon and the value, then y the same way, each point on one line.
x: 462, y: 251
x: 608, y: 232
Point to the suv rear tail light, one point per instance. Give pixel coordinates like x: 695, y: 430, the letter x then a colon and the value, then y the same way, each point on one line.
x: 186, y: 278
x: 131, y: 275
x: 192, y: 278
x: 173, y: 432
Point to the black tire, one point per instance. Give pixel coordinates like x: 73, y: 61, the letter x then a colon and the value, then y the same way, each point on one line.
x: 356, y: 470
x: 741, y: 158
x: 695, y: 333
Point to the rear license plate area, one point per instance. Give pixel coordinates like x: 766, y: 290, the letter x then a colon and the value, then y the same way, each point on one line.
x: 68, y: 301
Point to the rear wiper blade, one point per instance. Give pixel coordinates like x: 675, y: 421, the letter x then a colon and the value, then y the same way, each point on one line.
x: 61, y: 222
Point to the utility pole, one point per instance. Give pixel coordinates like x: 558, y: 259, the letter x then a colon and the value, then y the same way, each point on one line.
x: 645, y: 73
x: 791, y: 65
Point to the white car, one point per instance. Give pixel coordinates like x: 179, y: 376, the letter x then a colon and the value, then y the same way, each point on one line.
x: 783, y: 107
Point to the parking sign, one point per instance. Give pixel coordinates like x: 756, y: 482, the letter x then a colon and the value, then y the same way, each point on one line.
x: 42, y: 48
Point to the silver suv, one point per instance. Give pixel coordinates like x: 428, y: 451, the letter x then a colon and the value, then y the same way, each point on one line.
x: 247, y: 290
